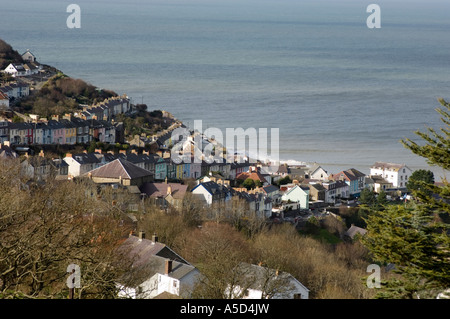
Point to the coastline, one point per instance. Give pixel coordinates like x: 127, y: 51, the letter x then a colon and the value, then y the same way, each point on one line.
x: 285, y: 157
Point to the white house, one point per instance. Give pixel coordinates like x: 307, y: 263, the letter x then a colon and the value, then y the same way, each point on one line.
x: 318, y: 173
x: 335, y: 190
x: 82, y: 163
x: 15, y: 70
x: 211, y: 192
x: 38, y: 137
x: 259, y: 282
x: 396, y: 174
x: 161, y: 275
x: 155, y: 269
x: 28, y: 56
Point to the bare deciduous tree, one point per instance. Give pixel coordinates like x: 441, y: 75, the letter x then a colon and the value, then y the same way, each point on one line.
x: 46, y: 227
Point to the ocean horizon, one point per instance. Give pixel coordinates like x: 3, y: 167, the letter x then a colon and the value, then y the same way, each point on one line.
x: 342, y: 95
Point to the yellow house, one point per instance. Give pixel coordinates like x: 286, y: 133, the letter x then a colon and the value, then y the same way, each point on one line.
x: 70, y: 132
x: 179, y: 172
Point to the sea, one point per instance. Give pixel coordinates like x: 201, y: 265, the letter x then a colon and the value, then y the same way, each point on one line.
x: 341, y: 94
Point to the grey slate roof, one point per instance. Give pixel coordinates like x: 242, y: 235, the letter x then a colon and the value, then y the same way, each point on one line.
x: 353, y: 230
x: 149, y: 257
x: 213, y: 188
x: 155, y: 190
x: 86, y: 158
x: 139, y: 158
x: 119, y: 168
x: 270, y: 188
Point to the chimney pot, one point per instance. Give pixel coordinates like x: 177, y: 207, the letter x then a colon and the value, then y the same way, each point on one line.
x: 141, y: 235
x: 155, y: 238
x: 168, y: 266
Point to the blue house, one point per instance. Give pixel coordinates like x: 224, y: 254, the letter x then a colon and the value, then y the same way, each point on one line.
x: 353, y: 178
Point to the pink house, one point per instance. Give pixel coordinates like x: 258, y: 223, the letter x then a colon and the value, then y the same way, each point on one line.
x: 58, y: 132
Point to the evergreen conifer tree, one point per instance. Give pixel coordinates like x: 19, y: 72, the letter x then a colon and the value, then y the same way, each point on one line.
x: 415, y: 237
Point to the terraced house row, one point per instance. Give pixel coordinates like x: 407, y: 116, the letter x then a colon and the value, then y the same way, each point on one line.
x: 68, y: 131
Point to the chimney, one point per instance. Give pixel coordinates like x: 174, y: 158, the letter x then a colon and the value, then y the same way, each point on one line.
x: 168, y: 266
x: 123, y: 152
x: 41, y: 153
x: 98, y: 150
x: 69, y: 155
x: 141, y: 235
x: 169, y: 190
x: 155, y: 238
x: 134, y: 152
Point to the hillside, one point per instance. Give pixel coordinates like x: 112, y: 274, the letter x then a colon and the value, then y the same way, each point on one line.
x: 8, y: 55
x: 62, y: 94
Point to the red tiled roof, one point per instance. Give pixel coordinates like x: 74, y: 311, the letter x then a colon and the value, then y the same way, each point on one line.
x: 256, y: 176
